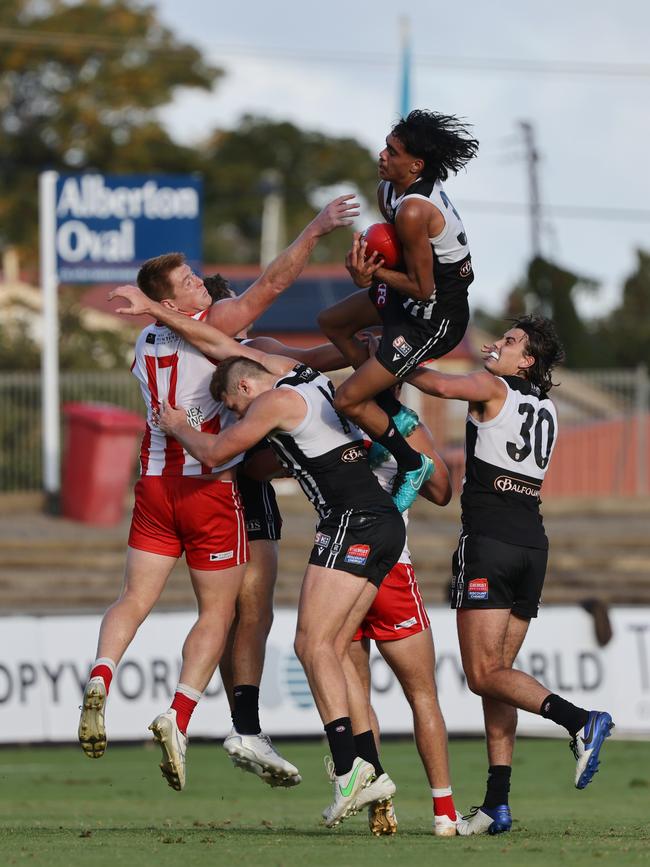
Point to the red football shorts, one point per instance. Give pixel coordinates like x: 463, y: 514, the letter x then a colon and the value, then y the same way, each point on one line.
x: 202, y: 517
x: 398, y: 610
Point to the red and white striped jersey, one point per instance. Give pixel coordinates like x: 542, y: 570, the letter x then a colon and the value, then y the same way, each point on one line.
x: 169, y: 368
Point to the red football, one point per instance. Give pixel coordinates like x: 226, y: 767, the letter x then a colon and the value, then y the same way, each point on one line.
x: 382, y: 238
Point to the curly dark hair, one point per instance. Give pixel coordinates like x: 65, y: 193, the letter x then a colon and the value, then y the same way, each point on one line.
x: 441, y: 140
x: 218, y: 287
x: 545, y: 347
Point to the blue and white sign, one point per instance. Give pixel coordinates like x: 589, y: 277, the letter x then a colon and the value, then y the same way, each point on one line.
x: 108, y: 225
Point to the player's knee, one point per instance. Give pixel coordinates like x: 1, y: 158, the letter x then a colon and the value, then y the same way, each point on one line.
x: 327, y: 322
x: 343, y: 401
x: 300, y: 647
x: 476, y: 681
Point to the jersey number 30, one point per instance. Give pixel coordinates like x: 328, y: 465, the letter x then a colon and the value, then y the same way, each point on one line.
x: 533, y: 437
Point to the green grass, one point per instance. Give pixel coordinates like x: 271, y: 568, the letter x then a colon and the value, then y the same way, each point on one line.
x: 59, y: 808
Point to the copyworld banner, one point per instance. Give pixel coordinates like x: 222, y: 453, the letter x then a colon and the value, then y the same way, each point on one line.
x: 106, y: 226
x: 44, y: 663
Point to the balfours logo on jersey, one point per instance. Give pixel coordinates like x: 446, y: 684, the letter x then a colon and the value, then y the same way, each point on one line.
x: 506, y: 484
x: 477, y: 588
x: 357, y: 554
x: 355, y: 453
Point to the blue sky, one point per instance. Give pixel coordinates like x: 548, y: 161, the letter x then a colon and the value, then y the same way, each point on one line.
x: 334, y: 67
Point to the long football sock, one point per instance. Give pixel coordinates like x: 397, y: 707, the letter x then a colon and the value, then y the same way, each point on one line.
x: 341, y: 741
x: 443, y: 803
x: 367, y: 749
x: 387, y: 401
x: 246, y: 712
x: 564, y: 713
x: 185, y: 700
x: 407, y: 458
x: 498, y: 785
x: 104, y: 668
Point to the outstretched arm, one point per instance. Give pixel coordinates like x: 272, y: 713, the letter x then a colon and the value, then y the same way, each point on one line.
x: 207, y: 339
x: 477, y: 387
x: 265, y: 414
x: 323, y: 357
x: 232, y: 315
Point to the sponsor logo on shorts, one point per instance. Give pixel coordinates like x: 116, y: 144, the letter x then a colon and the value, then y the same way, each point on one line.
x: 382, y: 292
x: 321, y: 541
x: 336, y: 548
x: 402, y: 346
x: 406, y: 624
x: 357, y: 554
x: 306, y: 373
x: 222, y: 555
x: 477, y: 588
x: 254, y: 525
x: 195, y: 416
x: 508, y: 485
x: 466, y: 269
x: 355, y: 453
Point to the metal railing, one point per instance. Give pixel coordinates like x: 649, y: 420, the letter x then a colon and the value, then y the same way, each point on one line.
x: 598, y: 409
x: 20, y: 419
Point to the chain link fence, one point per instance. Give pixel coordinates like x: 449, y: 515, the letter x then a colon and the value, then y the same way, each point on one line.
x: 603, y: 426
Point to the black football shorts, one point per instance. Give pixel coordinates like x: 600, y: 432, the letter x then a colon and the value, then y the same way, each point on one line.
x: 488, y: 573
x: 362, y: 542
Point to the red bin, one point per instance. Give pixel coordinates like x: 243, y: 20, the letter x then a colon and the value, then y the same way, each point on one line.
x: 100, y: 453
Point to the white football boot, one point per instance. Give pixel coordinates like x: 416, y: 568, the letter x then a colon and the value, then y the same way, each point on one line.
x: 92, y: 730
x: 173, y: 744
x: 256, y: 754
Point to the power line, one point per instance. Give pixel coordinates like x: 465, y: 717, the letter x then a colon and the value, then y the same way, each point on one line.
x: 557, y: 68
x: 569, y: 212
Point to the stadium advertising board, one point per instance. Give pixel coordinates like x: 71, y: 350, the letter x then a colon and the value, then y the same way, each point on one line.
x: 44, y: 662
x: 108, y: 225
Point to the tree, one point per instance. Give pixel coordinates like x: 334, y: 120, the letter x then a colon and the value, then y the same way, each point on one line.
x: 625, y: 333
x: 235, y: 166
x: 79, y: 85
x: 549, y: 290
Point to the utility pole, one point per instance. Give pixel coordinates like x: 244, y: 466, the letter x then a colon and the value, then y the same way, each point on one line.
x: 405, y: 81
x: 273, y: 236
x: 534, y: 206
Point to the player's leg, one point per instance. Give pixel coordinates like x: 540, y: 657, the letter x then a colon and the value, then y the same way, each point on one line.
x: 493, y: 816
x: 382, y: 788
x: 144, y: 579
x: 412, y: 659
x: 326, y: 599
x: 216, y: 593
x: 241, y: 670
x: 355, y: 398
x: 341, y: 322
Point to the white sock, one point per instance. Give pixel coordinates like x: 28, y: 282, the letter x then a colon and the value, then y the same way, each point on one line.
x: 441, y: 793
x: 189, y: 691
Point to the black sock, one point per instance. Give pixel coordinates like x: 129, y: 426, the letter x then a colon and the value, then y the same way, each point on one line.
x: 245, y: 713
x: 498, y: 786
x: 367, y: 750
x: 342, y: 746
x: 564, y: 713
x: 387, y: 401
x: 407, y: 458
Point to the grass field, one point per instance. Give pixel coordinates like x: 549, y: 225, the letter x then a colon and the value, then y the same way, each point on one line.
x: 60, y: 808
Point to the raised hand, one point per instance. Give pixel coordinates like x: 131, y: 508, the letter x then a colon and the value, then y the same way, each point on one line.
x: 138, y: 301
x: 339, y: 212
